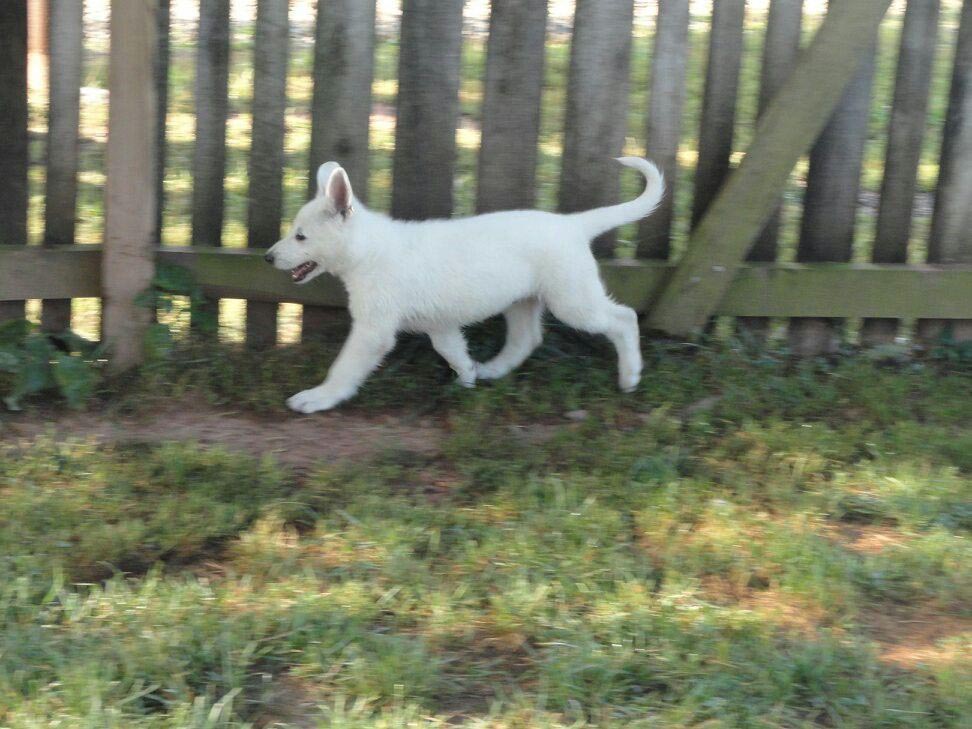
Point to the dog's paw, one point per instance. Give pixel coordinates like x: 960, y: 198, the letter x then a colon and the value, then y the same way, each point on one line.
x: 311, y: 401
x: 490, y: 370
x: 629, y: 383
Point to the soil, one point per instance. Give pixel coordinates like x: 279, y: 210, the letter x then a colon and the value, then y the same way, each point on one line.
x: 296, y: 441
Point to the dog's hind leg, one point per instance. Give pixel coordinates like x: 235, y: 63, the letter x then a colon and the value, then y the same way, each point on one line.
x: 588, y: 307
x: 524, y: 332
x: 451, y: 345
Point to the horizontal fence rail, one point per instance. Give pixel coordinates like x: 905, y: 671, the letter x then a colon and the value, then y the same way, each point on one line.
x: 829, y: 290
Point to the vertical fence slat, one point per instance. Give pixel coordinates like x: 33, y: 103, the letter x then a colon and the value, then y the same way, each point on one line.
x: 597, y: 103
x: 511, y: 105
x: 830, y: 203
x: 718, y: 102
x: 209, y: 155
x: 66, y: 56
x: 344, y: 54
x: 265, y: 204
x: 127, y: 261
x: 780, y: 50
x: 428, y: 109
x: 13, y: 131
x: 950, y: 241
x: 162, y: 95
x: 212, y: 106
x: 916, y: 59
x: 665, y: 103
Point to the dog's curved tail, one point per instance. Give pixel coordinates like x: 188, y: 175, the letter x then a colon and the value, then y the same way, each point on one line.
x: 601, y: 220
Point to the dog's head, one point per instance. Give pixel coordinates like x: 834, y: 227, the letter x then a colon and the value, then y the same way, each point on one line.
x: 317, y: 241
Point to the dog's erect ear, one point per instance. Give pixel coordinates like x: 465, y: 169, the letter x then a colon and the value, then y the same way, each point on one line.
x: 333, y: 185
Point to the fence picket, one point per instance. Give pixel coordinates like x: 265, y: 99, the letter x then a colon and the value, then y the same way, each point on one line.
x: 428, y: 109
x: 265, y: 203
x: 782, y: 44
x: 718, y: 102
x: 66, y: 57
x: 916, y: 59
x: 949, y: 241
x: 664, y: 128
x: 830, y: 203
x: 13, y: 131
x: 344, y: 54
x: 597, y: 103
x: 511, y: 105
x: 162, y: 61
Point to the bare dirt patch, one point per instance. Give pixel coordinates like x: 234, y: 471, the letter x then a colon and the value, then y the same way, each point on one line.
x: 296, y: 441
x: 911, y: 636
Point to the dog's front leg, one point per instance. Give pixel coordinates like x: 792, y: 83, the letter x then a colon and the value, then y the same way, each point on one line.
x: 364, y: 350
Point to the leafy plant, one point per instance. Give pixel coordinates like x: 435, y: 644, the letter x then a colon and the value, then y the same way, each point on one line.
x: 37, y: 361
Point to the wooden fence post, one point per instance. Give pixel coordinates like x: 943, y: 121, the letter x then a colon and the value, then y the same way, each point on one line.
x: 428, y: 109
x: 66, y: 59
x: 212, y: 110
x: 511, y: 105
x: 666, y: 101
x: 128, y: 257
x: 265, y: 203
x: 952, y: 219
x: 13, y: 131
x: 830, y: 203
x: 906, y: 132
x: 162, y: 94
x: 780, y: 50
x: 597, y: 106
x: 344, y: 53
x: 718, y: 102
x: 790, y: 124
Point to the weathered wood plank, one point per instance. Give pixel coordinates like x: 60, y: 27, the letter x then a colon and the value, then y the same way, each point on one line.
x: 830, y: 202
x: 780, y: 49
x: 906, y: 132
x: 666, y: 100
x: 949, y: 241
x: 788, y: 127
x: 597, y: 104
x: 265, y: 203
x: 212, y: 107
x: 66, y: 62
x: 718, y: 102
x: 162, y: 61
x: 343, y: 71
x: 758, y: 289
x: 511, y: 105
x: 13, y: 131
x: 128, y: 262
x: 428, y: 109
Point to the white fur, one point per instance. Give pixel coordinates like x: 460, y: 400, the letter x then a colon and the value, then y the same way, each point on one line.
x: 438, y: 276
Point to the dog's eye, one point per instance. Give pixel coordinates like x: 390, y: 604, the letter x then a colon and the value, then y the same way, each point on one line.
x: 300, y: 236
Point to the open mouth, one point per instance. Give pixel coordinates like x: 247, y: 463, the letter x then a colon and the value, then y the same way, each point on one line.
x: 299, y: 273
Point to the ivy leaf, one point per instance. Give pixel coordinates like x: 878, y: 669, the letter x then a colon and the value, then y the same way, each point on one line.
x: 75, y: 379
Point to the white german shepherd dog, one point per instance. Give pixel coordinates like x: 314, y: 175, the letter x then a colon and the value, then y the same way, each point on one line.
x: 438, y: 276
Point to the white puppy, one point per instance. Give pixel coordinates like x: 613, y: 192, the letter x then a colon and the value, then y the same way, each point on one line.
x: 438, y: 276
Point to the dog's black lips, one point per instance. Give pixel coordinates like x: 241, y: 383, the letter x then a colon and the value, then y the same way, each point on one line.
x: 299, y: 273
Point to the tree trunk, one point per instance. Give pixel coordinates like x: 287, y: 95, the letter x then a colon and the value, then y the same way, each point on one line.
x: 597, y: 109
x: 128, y: 257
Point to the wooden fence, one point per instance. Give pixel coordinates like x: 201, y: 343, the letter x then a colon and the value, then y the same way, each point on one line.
x: 882, y: 274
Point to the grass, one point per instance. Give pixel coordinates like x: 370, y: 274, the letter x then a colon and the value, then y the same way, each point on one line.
x: 744, y: 542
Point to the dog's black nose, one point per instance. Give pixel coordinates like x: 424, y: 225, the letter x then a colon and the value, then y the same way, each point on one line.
x: 268, y: 258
